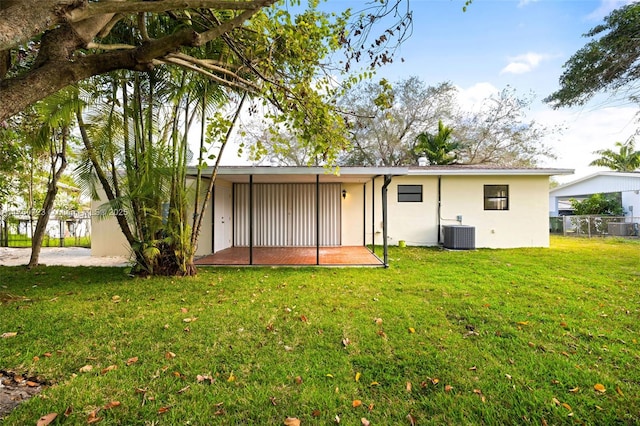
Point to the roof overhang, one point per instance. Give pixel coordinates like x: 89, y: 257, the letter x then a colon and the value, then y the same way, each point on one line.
x: 266, y: 174
x: 484, y: 171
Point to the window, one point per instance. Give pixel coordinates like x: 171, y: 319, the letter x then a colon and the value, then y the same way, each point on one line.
x: 409, y: 193
x: 496, y: 197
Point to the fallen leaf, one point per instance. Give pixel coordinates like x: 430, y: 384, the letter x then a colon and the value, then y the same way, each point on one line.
x: 371, y: 407
x: 86, y: 368
x: 567, y: 406
x: 448, y: 388
x: 111, y: 405
x: 374, y: 384
x: 382, y: 334
x: 298, y: 380
x: 412, y: 330
x: 36, y: 358
x: 273, y: 400
x: 47, y: 354
x: 508, y: 376
x: 435, y: 381
x: 619, y: 391
x: 358, y: 375
x: 46, y: 419
x: 378, y: 321
x: 68, y: 411
x: 555, y: 401
x: 93, y: 417
x: 115, y: 299
x: 231, y: 377
x: 133, y: 360
x: 107, y: 369
x: 291, y: 421
x: 169, y: 355
x: 356, y: 403
x: 412, y: 420
x: 544, y: 422
x: 336, y: 419
x: 575, y: 390
x: 315, y: 413
x: 163, y: 410
x: 184, y: 389
x: 288, y: 348
x: 365, y: 422
x: 184, y: 310
x: 303, y: 318
x: 346, y: 342
x: 563, y: 324
x: 32, y: 384
x: 600, y: 388
x: 329, y: 375
x: 408, y: 387
x: 9, y: 334
x: 474, y: 368
x: 189, y: 319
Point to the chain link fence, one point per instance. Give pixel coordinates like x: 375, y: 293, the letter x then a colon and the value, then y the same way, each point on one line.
x: 595, y: 226
x: 64, y: 229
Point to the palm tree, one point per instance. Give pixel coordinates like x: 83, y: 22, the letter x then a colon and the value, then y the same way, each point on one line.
x: 627, y: 159
x: 437, y: 147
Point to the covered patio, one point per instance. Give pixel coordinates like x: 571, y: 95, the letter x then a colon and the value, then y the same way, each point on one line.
x: 293, y: 256
x: 298, y: 216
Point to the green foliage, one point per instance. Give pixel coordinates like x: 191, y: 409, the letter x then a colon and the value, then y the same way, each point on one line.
x: 437, y: 147
x: 627, y: 159
x: 510, y: 331
x: 610, y: 63
x: 598, y: 204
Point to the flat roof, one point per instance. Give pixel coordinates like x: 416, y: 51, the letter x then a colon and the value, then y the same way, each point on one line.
x: 361, y: 174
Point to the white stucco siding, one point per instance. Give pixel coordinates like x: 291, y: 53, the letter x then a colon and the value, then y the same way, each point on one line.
x: 204, y: 238
x: 413, y: 222
x: 352, y: 214
x: 106, y: 237
x: 524, y: 224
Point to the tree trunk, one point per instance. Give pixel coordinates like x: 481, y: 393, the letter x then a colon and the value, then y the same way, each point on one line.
x: 50, y: 198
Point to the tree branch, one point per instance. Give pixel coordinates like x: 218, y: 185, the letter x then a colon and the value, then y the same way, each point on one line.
x: 159, y: 6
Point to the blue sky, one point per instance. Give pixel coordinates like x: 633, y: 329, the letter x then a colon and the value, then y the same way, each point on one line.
x: 517, y: 43
x: 520, y: 43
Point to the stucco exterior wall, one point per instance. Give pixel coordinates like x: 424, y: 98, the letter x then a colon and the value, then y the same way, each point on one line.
x: 106, y: 237
x: 352, y: 214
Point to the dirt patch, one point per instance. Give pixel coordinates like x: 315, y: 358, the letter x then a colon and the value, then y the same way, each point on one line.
x: 15, y: 389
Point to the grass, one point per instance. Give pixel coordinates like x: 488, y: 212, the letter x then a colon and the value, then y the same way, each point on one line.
x: 25, y: 241
x: 501, y: 337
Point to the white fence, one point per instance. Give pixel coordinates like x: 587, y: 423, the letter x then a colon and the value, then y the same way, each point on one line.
x: 595, y: 226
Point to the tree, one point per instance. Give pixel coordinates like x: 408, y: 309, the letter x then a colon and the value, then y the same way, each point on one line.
x: 627, y: 159
x: 46, y: 45
x: 437, y: 148
x: 608, y: 63
x: 598, y: 204
x: 385, y: 119
x: 499, y: 133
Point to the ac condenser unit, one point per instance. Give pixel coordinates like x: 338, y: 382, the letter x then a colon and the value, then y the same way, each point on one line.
x: 459, y: 237
x: 620, y: 229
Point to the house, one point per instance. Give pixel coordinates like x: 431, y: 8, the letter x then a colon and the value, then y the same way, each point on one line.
x: 625, y: 186
x: 257, y: 211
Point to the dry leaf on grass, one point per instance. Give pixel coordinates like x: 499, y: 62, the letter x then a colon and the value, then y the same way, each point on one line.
x: 358, y: 375
x: 291, y: 421
x: 9, y: 334
x: 86, y: 368
x: 412, y: 330
x: 412, y: 420
x: 356, y: 403
x: 46, y: 419
x: 131, y: 361
x: 111, y: 405
x: 575, y: 390
x: 619, y: 391
x: 163, y: 410
x: 107, y: 369
x: 599, y: 387
x: 448, y: 388
x: 365, y: 422
x: 93, y: 417
x: 169, y: 355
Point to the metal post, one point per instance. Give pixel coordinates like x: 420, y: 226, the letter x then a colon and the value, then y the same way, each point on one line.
x: 364, y: 214
x: 373, y: 215
x: 385, y: 245
x: 250, y: 219
x: 213, y: 219
x: 317, y: 219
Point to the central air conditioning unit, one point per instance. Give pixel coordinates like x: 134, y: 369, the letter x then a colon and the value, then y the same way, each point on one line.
x: 459, y: 237
x: 620, y: 229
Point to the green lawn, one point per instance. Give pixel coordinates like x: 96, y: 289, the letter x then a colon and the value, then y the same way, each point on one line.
x: 24, y: 241
x: 482, y: 337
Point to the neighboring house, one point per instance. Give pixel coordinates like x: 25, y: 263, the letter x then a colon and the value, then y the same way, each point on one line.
x: 626, y: 186
x: 359, y: 206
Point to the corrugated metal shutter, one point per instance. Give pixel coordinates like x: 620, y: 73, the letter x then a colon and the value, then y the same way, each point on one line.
x: 284, y: 215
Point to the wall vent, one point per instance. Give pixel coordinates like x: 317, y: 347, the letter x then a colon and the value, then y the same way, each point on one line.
x: 459, y: 237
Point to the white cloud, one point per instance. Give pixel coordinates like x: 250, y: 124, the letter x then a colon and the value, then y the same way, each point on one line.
x: 606, y: 7
x: 523, y: 3
x: 585, y: 132
x: 525, y: 63
x: 471, y: 99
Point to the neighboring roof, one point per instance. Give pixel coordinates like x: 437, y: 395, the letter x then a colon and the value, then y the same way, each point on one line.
x: 600, y: 182
x: 360, y: 174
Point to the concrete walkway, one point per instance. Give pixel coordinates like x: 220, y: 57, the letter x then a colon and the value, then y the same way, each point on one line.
x: 64, y: 256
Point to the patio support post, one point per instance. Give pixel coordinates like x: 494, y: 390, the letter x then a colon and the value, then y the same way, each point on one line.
x: 364, y: 214
x: 317, y: 219
x: 385, y: 245
x: 373, y: 214
x: 250, y: 219
x: 213, y: 219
